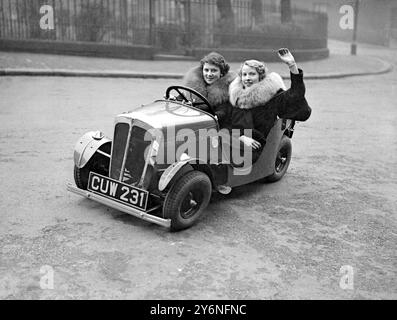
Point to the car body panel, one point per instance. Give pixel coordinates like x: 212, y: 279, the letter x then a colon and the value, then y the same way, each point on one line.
x: 264, y: 166
x: 163, y: 113
x: 86, y: 147
x: 170, y: 173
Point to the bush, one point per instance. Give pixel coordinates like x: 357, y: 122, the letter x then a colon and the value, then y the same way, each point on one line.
x: 91, y: 21
x: 197, y: 36
x: 168, y: 34
x: 32, y: 16
x: 268, y: 36
x: 283, y: 30
x: 225, y: 34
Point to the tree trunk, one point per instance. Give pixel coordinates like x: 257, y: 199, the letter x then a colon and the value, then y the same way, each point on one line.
x: 257, y: 11
x: 226, y: 14
x: 225, y: 8
x: 286, y: 13
x: 226, y: 21
x: 124, y: 19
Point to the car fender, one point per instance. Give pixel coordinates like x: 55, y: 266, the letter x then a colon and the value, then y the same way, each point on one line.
x: 86, y: 147
x: 171, y: 171
x: 182, y: 166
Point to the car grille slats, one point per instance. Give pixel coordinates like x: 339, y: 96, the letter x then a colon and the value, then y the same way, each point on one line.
x: 119, y: 142
x: 136, y: 155
x: 138, y: 142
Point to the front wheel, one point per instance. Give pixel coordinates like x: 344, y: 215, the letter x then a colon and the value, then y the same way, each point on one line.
x: 98, y: 163
x: 283, y: 159
x: 187, y: 199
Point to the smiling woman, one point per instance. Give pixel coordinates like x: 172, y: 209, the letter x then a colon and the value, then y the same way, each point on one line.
x: 249, y: 76
x: 252, y: 72
x: 259, y: 97
x: 211, y: 73
x: 212, y: 79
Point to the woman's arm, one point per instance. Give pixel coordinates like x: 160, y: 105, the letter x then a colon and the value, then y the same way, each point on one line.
x: 297, y: 89
x: 292, y: 103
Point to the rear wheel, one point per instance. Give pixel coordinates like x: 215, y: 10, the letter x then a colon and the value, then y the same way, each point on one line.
x: 187, y: 199
x: 98, y: 164
x: 283, y: 159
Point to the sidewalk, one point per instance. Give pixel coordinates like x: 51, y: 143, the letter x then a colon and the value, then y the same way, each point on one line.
x: 339, y: 64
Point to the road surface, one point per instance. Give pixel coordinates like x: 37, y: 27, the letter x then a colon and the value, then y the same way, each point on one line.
x: 326, y: 231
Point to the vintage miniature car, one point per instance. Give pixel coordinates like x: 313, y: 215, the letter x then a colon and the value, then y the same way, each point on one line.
x: 150, y: 170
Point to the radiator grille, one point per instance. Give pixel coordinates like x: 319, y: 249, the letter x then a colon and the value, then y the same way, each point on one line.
x: 136, y: 155
x: 119, y: 143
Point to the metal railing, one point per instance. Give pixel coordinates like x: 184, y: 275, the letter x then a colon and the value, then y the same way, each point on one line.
x: 168, y: 24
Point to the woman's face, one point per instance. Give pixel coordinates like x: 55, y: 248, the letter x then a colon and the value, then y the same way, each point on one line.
x: 249, y: 76
x: 211, y: 73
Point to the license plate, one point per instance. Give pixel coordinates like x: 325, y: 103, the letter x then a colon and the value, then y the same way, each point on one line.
x: 118, y: 191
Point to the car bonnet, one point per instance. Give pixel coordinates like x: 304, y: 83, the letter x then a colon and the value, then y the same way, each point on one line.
x: 164, y: 114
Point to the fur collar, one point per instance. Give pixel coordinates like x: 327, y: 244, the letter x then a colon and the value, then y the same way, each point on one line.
x: 256, y: 95
x: 217, y: 93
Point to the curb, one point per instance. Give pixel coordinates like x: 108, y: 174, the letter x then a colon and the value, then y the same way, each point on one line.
x: 92, y: 74
x: 386, y: 67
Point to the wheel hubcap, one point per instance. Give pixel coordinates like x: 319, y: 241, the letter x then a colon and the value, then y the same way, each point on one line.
x: 190, y: 205
x: 281, y: 160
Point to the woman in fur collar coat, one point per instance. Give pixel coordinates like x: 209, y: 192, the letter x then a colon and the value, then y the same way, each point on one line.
x: 258, y: 97
x: 212, y: 79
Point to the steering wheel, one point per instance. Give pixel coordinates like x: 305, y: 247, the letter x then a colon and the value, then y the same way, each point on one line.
x: 193, y: 92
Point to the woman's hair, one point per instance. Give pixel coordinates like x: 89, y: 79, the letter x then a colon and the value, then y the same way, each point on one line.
x: 217, y: 60
x: 259, y: 66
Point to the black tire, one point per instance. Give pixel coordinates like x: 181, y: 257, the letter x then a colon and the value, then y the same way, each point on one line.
x: 98, y: 163
x: 187, y: 199
x: 283, y: 159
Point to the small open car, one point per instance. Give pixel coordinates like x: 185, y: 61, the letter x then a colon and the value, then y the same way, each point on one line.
x: 151, y: 171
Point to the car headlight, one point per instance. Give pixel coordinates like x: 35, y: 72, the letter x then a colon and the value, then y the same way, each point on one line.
x: 98, y: 135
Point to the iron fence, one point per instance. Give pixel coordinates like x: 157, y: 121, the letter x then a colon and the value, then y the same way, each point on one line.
x: 169, y: 24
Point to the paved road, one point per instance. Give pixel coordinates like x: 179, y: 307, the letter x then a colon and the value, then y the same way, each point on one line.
x: 335, y: 207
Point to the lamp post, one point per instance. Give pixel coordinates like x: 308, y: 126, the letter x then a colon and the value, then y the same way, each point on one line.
x: 353, y: 50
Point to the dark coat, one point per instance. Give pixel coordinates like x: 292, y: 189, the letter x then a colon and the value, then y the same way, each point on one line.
x: 288, y: 104
x: 217, y: 93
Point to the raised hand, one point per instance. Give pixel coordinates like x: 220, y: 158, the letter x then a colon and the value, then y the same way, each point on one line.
x: 286, y: 56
